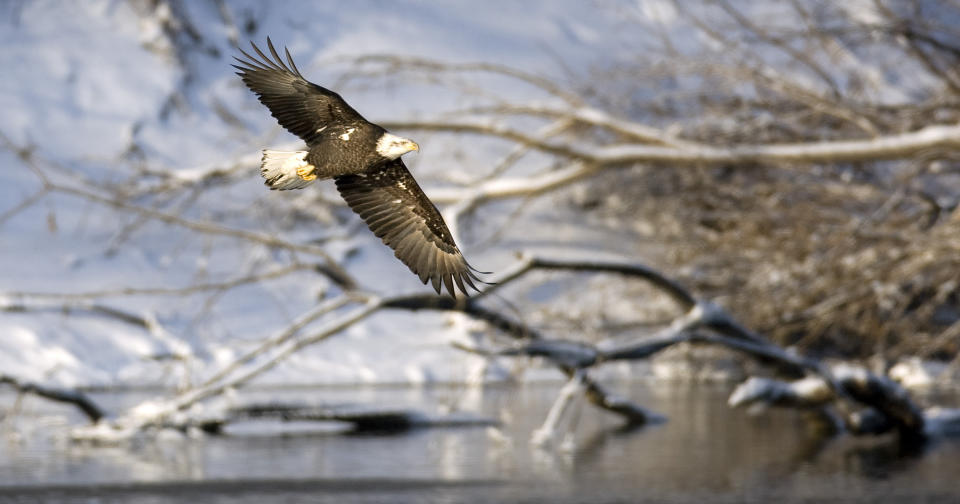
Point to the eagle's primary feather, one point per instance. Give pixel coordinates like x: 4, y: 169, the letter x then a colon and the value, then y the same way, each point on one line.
x: 364, y: 161
x: 300, y: 106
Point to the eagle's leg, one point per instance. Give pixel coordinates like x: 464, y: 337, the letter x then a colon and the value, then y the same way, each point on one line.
x: 307, y: 172
x: 287, y: 170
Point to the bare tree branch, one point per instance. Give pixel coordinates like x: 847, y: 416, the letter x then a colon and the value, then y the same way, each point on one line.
x: 76, y: 306
x: 584, y: 116
x: 165, y: 291
x: 282, y: 337
x: 23, y: 205
x: 405, y: 62
x: 74, y: 397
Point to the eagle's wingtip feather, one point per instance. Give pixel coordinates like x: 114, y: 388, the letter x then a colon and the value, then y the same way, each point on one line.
x: 459, y: 280
x: 292, y: 64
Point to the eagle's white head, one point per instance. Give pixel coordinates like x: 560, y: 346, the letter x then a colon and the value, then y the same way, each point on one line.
x: 393, y: 146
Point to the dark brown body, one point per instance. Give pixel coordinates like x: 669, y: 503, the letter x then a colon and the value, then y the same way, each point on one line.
x: 345, y: 149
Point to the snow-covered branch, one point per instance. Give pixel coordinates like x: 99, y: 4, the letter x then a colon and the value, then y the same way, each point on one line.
x: 895, y: 146
x: 706, y: 323
x: 274, y: 350
x: 892, y: 146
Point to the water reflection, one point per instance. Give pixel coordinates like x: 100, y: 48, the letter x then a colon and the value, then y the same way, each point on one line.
x: 705, y: 450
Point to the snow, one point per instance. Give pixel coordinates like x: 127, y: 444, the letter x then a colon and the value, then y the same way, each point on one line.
x: 68, y: 77
x: 915, y: 373
x: 806, y: 392
x: 102, y: 96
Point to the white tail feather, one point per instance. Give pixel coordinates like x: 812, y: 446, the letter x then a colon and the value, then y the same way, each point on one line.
x: 279, y: 169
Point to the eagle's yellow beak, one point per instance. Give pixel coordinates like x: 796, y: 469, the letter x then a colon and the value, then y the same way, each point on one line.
x: 413, y: 146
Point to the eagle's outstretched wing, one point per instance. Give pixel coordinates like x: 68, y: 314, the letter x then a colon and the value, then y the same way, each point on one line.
x: 398, y: 212
x: 303, y: 108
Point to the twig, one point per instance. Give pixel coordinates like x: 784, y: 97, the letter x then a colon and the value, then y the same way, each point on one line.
x: 586, y: 116
x: 163, y: 291
x: 422, y: 63
x: 282, y: 337
x: 24, y: 204
x: 77, y: 305
x: 283, y: 350
x: 339, y: 275
x: 797, y: 55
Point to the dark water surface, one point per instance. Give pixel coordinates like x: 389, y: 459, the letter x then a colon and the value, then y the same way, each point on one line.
x: 704, y: 453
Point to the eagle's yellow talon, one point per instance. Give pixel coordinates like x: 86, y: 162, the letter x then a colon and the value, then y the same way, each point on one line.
x: 306, y: 172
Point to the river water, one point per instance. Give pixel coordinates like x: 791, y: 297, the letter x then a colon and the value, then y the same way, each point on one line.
x: 706, y: 452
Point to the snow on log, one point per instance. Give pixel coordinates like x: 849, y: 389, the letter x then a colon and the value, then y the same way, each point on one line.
x: 809, y: 392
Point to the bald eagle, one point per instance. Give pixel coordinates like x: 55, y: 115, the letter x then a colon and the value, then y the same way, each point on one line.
x: 363, y: 159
